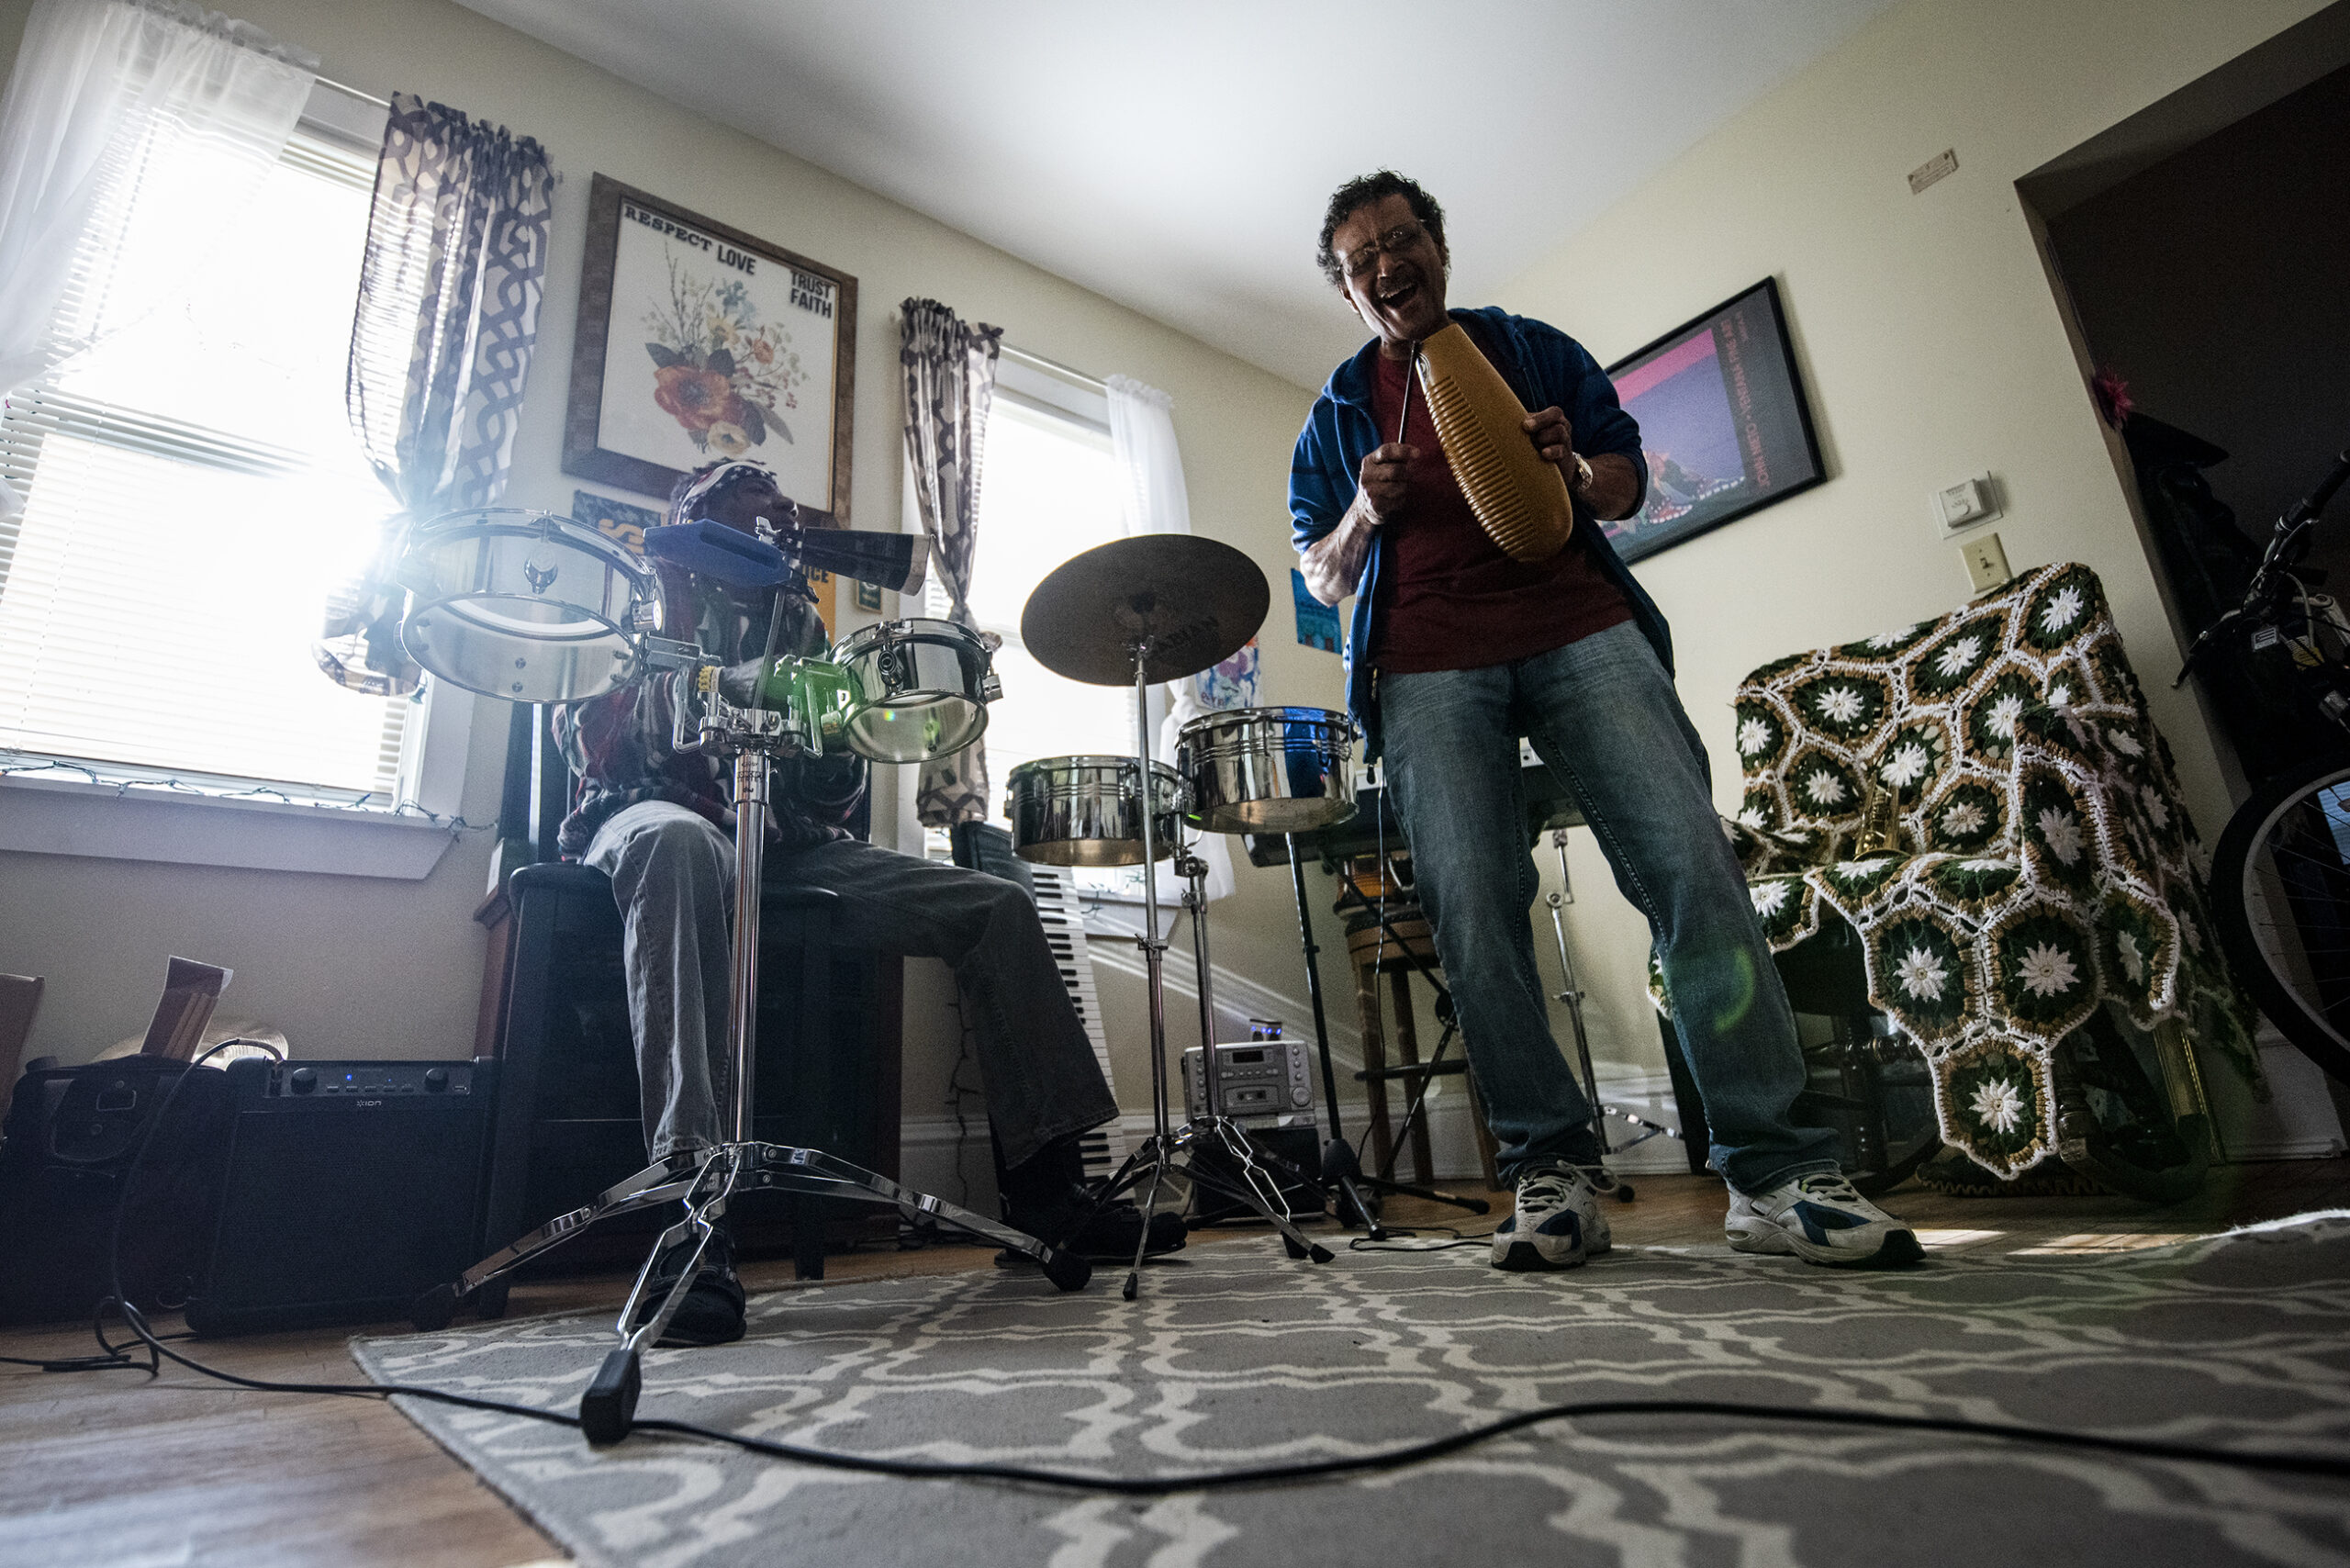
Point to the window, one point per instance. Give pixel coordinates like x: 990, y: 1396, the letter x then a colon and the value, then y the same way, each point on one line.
x: 193, y: 493
x: 1050, y: 491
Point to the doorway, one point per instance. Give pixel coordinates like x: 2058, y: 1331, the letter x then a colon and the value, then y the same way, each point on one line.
x: 2200, y: 252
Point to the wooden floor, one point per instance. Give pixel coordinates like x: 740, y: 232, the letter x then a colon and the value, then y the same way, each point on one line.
x: 110, y: 1470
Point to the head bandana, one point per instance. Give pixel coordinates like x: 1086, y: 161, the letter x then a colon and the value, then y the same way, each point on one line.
x: 720, y: 477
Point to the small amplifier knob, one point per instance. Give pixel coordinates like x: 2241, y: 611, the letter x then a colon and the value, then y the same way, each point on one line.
x: 303, y: 1081
x: 436, y: 1078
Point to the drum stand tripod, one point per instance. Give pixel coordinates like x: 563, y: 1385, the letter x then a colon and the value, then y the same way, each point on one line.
x: 1173, y: 1149
x: 1574, y: 996
x: 704, y: 1180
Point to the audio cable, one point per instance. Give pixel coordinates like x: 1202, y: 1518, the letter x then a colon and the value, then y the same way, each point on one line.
x: 159, y: 1349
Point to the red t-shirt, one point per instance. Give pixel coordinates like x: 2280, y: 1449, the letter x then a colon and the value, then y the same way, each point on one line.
x: 1449, y: 597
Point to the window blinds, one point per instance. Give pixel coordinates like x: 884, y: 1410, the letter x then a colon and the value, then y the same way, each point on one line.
x: 192, y: 492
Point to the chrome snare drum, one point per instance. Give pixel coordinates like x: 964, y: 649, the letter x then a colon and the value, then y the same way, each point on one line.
x: 1267, y: 769
x: 525, y: 605
x: 922, y: 687
x: 1087, y: 811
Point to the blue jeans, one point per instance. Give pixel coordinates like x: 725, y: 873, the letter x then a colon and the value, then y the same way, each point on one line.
x: 1602, y: 712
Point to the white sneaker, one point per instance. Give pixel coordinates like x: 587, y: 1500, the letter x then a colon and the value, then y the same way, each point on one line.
x: 1557, y: 1224
x: 1819, y: 1219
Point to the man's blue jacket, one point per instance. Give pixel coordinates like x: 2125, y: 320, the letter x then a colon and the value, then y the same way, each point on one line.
x: 1546, y: 368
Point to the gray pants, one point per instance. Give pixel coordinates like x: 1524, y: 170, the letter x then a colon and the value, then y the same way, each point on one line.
x: 673, y: 875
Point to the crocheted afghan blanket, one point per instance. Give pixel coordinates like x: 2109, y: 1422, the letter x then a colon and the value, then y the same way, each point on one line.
x: 2046, y: 863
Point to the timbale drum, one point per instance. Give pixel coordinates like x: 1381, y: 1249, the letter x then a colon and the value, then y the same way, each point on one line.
x: 1087, y: 811
x: 525, y: 605
x: 1267, y: 769
x: 922, y: 687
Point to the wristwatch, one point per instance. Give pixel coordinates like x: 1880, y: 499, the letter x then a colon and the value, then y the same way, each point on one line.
x: 1581, y: 482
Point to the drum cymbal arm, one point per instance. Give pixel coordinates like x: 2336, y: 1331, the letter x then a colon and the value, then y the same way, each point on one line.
x: 664, y: 653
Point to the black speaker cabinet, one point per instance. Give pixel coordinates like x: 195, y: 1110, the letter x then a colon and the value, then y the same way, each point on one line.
x: 570, y: 1119
x: 65, y: 1158
x: 352, y: 1186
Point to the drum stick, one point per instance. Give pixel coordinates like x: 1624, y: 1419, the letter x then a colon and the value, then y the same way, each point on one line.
x: 774, y: 640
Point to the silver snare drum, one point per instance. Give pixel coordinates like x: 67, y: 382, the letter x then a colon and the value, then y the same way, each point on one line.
x: 1087, y: 811
x: 922, y: 687
x: 1267, y: 769
x: 525, y: 605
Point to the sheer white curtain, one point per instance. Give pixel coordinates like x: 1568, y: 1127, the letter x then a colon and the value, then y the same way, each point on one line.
x: 1142, y: 439
x: 110, y: 103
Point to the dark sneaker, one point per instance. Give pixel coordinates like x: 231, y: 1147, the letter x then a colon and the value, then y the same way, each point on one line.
x: 1111, y: 1234
x: 1819, y: 1219
x: 712, y: 1312
x: 1557, y: 1223
x: 1071, y: 1222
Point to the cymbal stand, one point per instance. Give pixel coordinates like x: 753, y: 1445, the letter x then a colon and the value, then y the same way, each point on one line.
x: 1350, y: 1161
x: 1341, y: 1167
x: 705, y: 1180
x: 1261, y: 1164
x: 1172, y: 1149
x: 1574, y: 995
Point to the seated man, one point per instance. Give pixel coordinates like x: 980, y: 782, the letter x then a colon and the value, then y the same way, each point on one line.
x: 661, y: 826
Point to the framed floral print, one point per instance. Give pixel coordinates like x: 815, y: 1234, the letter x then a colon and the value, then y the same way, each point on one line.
x: 697, y: 341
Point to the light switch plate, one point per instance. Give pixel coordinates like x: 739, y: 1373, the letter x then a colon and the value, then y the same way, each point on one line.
x: 1987, y: 561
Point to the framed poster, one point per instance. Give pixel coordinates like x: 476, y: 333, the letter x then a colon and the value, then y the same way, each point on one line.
x: 1724, y: 426
x: 697, y: 341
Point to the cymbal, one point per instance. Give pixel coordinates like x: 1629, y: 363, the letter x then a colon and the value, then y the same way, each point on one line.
x: 1191, y: 601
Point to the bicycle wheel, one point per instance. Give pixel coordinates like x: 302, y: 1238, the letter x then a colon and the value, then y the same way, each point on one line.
x: 2281, y: 896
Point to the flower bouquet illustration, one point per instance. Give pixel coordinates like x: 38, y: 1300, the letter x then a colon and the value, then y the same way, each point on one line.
x: 724, y: 375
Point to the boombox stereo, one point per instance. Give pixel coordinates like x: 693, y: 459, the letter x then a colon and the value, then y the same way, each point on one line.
x: 1254, y: 1079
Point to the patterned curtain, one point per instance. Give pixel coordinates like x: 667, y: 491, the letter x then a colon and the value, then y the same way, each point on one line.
x: 950, y: 381
x: 448, y: 316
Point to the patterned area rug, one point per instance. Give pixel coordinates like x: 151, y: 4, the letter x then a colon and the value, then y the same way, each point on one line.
x: 1236, y: 1357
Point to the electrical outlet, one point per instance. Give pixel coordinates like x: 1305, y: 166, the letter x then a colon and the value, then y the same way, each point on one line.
x: 1987, y: 561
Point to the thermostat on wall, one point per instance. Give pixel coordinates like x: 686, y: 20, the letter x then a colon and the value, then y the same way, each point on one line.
x: 1966, y: 504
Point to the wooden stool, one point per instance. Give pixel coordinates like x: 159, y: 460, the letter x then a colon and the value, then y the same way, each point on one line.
x: 1372, y: 952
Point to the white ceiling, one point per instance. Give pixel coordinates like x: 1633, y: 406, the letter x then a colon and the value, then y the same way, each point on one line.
x: 1175, y: 156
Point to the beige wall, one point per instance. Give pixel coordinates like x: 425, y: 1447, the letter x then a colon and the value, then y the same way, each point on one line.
x: 361, y: 967
x: 1928, y: 339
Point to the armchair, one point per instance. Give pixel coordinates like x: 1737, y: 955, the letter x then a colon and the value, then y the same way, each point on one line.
x: 1985, y: 801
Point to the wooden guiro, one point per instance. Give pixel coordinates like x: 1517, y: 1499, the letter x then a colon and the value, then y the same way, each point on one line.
x: 1521, y: 500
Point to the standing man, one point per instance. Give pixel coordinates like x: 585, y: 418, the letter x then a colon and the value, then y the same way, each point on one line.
x: 659, y: 823
x: 1456, y: 652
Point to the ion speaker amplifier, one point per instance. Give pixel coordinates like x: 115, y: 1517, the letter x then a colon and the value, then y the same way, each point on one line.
x: 351, y: 1187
